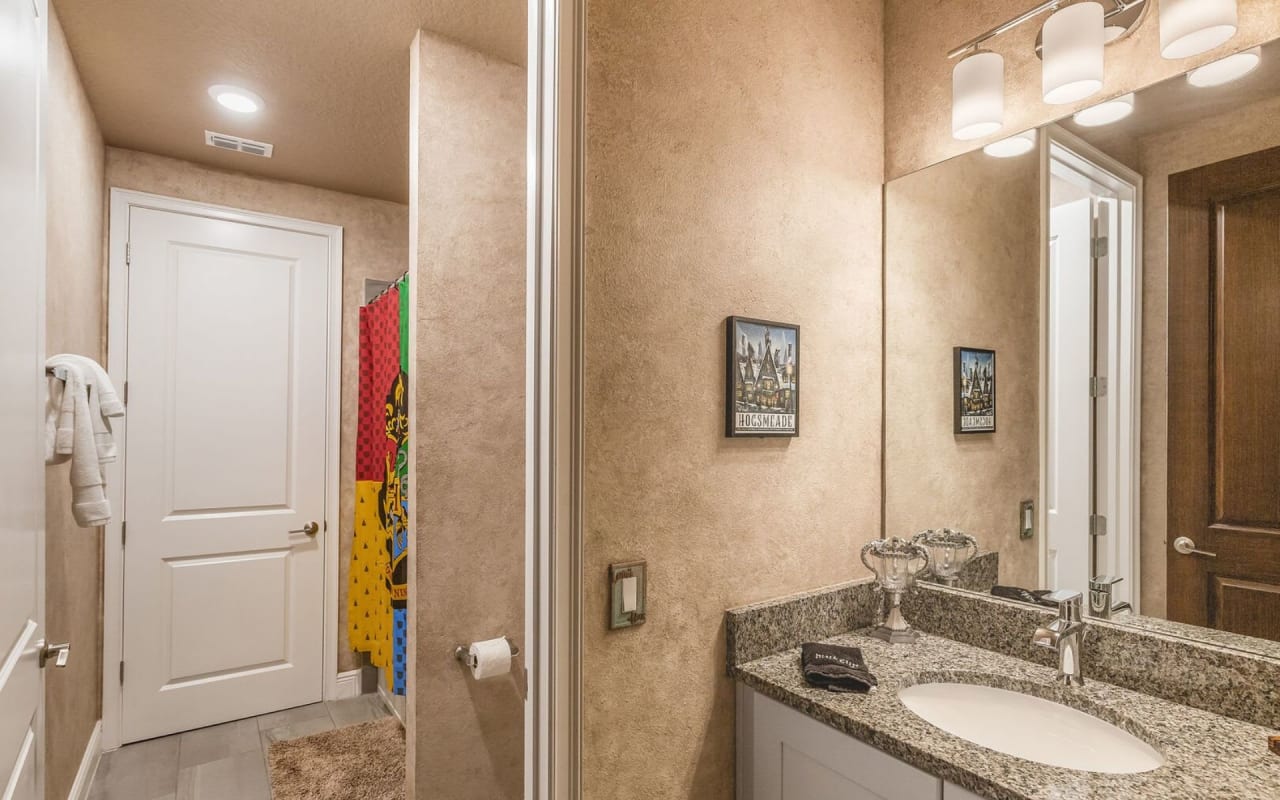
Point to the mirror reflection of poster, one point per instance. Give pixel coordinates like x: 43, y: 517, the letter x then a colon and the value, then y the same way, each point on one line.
x: 763, y: 378
x: 975, y: 390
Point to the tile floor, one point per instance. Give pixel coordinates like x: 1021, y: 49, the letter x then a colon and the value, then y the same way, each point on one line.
x: 222, y: 762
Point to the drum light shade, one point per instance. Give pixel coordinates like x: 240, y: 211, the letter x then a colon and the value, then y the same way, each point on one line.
x: 1226, y: 70
x: 1073, y: 42
x: 1106, y: 112
x: 1191, y: 27
x: 1015, y: 145
x: 977, y: 96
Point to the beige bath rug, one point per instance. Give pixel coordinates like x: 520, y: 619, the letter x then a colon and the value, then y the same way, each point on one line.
x: 360, y: 762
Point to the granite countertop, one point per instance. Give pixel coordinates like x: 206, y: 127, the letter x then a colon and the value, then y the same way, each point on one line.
x: 1206, y: 755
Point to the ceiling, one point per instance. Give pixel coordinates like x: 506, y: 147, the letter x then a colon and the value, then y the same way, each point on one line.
x: 1173, y: 103
x: 334, y: 76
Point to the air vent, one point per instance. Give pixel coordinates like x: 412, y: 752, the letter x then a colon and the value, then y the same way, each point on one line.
x: 225, y: 141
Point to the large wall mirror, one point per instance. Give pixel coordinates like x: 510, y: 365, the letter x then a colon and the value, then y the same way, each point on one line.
x: 1124, y: 267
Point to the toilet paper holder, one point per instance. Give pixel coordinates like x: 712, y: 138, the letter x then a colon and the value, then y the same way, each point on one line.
x: 463, y: 652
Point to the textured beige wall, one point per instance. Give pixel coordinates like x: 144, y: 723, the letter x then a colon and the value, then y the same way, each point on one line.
x: 467, y: 416
x: 1245, y: 130
x: 375, y: 244
x: 962, y: 267
x: 918, y: 34
x: 733, y: 167
x: 74, y: 324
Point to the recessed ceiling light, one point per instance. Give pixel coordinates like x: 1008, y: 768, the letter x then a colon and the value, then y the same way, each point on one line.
x: 239, y: 100
x: 1226, y: 70
x: 1105, y: 113
x: 1013, y: 146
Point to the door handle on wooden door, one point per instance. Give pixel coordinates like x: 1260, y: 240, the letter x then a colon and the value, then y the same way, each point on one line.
x: 58, y: 653
x: 310, y: 529
x: 1187, y: 547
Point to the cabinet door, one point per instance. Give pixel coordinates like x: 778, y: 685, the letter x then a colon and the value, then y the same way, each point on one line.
x: 785, y: 755
x: 952, y: 792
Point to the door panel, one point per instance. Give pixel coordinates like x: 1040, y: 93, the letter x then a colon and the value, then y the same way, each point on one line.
x: 1247, y: 361
x: 227, y: 360
x: 1224, y: 366
x: 21, y: 400
x: 229, y: 384
x: 1068, y: 422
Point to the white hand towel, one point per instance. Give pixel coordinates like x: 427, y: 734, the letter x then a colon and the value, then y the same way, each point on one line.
x: 96, y: 377
x: 53, y: 424
x: 104, y: 403
x: 89, y: 503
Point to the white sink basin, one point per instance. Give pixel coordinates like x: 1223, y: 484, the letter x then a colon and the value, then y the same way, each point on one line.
x: 1030, y: 727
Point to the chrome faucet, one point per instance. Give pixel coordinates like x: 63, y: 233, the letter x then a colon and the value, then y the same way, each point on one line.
x: 1101, y: 590
x: 1065, y: 635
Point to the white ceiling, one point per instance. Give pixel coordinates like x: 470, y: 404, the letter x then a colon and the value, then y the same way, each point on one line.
x: 1174, y: 103
x: 334, y: 75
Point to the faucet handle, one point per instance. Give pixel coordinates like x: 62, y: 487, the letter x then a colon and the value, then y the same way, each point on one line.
x: 1069, y: 603
x: 1102, y: 583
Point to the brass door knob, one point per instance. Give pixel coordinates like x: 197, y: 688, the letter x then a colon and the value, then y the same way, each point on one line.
x: 1185, y: 546
x: 310, y: 529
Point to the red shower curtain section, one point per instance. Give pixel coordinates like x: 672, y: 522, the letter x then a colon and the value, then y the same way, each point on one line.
x: 369, y: 613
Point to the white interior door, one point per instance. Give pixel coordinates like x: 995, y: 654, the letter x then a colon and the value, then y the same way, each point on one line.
x: 225, y: 448
x: 1068, y: 426
x: 21, y: 401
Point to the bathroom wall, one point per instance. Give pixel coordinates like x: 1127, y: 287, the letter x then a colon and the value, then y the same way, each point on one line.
x: 375, y: 241
x: 73, y: 324
x: 733, y: 166
x: 962, y: 267
x: 1223, y: 136
x: 467, y: 207
x: 918, y: 36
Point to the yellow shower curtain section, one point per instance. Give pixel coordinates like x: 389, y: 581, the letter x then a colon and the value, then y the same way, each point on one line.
x: 369, y: 614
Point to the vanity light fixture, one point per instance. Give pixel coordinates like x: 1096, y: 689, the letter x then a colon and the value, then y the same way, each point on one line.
x: 1226, y: 70
x: 1191, y: 27
x: 242, y: 101
x: 977, y: 96
x: 1015, y: 145
x: 1073, y: 42
x: 1106, y: 112
x: 1070, y: 43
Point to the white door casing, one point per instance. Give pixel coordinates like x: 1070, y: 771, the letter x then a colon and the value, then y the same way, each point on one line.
x: 1074, y: 169
x: 231, y: 444
x: 22, y: 199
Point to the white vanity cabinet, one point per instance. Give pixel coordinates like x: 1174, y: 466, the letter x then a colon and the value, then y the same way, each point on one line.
x: 785, y: 755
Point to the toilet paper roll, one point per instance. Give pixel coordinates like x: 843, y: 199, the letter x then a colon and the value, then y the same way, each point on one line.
x: 490, y: 658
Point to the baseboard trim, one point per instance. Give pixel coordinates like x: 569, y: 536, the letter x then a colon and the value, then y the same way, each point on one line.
x: 388, y: 700
x: 88, y: 765
x: 348, y: 685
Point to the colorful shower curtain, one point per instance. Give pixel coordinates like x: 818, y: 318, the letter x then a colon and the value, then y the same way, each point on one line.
x: 377, y: 591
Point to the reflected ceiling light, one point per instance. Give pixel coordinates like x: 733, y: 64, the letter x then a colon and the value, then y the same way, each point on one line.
x: 239, y: 100
x: 1191, y: 27
x: 1023, y: 142
x: 1226, y: 70
x: 1113, y: 32
x: 977, y: 96
x: 1105, y: 113
x: 1073, y: 42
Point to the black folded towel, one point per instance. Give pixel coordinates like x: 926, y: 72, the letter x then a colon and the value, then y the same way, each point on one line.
x: 1023, y: 595
x: 836, y: 669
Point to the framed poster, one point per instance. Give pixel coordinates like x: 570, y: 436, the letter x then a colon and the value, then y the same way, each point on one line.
x: 762, y: 381
x: 975, y: 390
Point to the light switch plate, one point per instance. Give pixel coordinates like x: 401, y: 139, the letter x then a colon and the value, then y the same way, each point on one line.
x: 1027, y: 519
x: 625, y: 578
